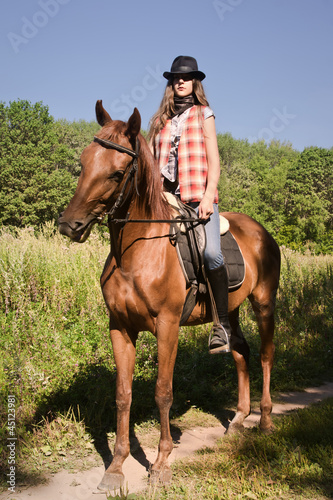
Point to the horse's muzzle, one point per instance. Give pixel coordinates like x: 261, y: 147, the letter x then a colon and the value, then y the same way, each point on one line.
x: 77, y: 231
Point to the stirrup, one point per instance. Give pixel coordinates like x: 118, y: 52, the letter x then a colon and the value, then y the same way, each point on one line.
x: 219, y: 340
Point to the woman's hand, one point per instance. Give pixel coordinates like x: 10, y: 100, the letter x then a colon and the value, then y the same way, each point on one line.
x: 205, y: 208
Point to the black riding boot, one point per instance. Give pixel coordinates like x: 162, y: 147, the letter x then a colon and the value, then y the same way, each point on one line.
x: 219, y: 339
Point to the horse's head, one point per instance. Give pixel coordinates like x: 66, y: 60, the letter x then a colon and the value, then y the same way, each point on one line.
x: 103, y: 175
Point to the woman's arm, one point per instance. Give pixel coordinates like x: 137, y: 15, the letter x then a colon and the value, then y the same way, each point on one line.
x: 151, y: 146
x: 213, y: 162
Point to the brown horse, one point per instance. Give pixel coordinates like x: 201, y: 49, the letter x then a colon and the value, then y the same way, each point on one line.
x: 143, y: 284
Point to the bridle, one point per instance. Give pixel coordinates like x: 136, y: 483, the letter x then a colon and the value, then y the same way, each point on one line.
x: 131, y: 176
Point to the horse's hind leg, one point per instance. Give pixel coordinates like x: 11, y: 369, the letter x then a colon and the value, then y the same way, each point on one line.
x: 167, y: 343
x: 263, y: 304
x: 241, y: 354
x: 124, y: 354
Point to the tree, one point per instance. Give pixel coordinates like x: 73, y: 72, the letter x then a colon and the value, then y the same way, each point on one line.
x: 35, y: 183
x: 76, y: 135
x: 253, y: 179
x: 309, y: 191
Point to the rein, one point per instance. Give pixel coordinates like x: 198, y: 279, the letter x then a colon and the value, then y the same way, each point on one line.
x: 132, y: 175
x: 159, y: 221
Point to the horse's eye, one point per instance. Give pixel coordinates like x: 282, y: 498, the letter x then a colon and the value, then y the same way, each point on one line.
x: 117, y: 176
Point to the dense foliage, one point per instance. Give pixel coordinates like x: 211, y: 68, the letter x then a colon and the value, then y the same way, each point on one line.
x: 289, y: 192
x: 35, y: 179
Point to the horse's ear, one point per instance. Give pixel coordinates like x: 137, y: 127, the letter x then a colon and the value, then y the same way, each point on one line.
x: 133, y: 124
x: 102, y: 116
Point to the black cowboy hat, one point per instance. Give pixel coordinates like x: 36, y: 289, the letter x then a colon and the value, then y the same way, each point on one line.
x: 184, y: 64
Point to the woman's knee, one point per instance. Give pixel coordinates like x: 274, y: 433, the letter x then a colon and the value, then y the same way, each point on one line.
x: 213, y: 256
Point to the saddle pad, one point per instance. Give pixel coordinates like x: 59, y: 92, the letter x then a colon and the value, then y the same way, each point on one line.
x: 230, y: 249
x: 234, y: 260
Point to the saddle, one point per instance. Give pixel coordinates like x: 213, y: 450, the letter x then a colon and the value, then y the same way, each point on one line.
x: 189, y: 238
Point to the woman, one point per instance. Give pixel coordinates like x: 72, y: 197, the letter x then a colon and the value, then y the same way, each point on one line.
x: 183, y: 140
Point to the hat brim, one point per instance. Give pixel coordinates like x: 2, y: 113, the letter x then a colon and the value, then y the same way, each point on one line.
x: 199, y: 75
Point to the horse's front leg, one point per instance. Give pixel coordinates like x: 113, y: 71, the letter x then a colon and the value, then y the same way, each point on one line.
x: 167, y: 343
x: 124, y: 354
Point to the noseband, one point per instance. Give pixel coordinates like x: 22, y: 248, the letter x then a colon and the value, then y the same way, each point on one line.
x: 131, y: 174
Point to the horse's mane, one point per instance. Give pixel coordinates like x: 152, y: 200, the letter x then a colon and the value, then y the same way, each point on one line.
x: 154, y: 204
x: 149, y: 198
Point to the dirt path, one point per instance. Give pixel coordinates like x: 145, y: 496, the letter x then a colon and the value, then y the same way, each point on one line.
x: 82, y: 485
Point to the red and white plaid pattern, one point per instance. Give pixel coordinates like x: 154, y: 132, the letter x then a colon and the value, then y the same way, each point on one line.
x: 192, y: 159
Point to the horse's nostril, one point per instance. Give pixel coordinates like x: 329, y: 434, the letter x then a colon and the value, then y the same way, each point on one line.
x: 72, y: 225
x: 77, y: 225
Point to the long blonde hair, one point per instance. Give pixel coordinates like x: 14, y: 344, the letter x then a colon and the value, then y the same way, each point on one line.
x: 166, y: 108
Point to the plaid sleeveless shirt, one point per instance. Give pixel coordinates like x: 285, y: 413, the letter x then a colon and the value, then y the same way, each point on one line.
x: 192, y: 158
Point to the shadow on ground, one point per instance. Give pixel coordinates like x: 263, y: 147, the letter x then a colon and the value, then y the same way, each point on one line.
x: 91, y: 396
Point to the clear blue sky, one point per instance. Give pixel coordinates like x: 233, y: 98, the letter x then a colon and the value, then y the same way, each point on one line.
x: 269, y: 63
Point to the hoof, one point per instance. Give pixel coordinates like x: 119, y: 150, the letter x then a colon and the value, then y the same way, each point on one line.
x: 111, y: 482
x: 235, y: 429
x: 163, y: 476
x: 267, y: 430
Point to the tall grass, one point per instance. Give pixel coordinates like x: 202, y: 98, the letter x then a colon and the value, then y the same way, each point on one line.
x: 57, y: 357
x: 52, y: 312
x: 304, y: 323
x: 53, y: 324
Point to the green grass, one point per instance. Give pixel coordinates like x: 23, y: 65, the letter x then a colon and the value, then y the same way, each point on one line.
x: 296, y: 462
x: 57, y: 357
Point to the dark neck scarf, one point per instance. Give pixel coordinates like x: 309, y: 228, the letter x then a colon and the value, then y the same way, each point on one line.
x: 181, y: 104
